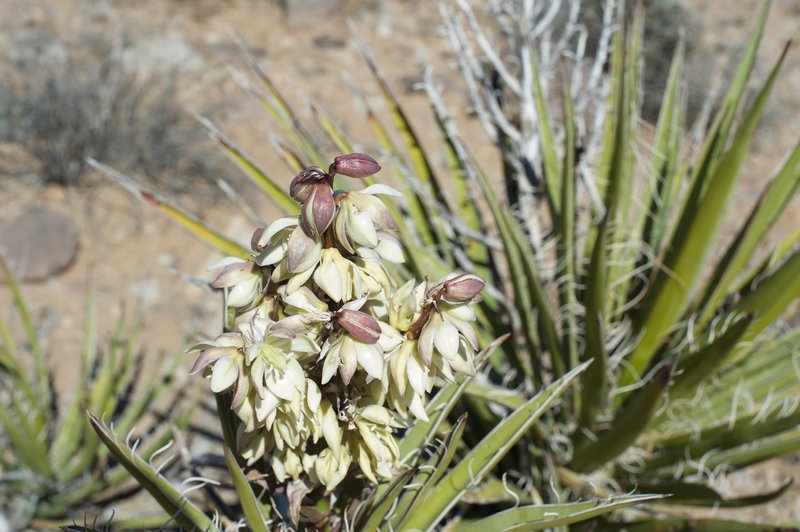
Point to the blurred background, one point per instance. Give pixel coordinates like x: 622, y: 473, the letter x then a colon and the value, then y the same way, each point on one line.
x: 125, y: 83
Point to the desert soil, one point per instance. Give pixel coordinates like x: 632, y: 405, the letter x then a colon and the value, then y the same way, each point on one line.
x: 138, y: 261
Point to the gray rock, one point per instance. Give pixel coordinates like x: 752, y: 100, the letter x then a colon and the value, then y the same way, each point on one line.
x: 39, y: 244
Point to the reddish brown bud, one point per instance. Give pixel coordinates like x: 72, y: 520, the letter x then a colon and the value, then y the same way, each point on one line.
x: 361, y: 326
x: 354, y: 165
x: 301, y: 185
x: 318, y: 209
x: 462, y: 288
x: 255, y: 245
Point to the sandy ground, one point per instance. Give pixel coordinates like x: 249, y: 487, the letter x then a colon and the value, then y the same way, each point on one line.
x: 134, y: 257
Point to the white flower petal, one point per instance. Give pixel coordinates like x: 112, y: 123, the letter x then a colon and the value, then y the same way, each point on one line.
x: 365, y: 464
x: 426, y: 337
x: 330, y: 428
x: 397, y: 367
x: 302, y: 299
x: 361, y: 229
x: 272, y: 255
x: 329, y: 278
x: 417, y: 374
x: 356, y: 304
x: 349, y: 359
x: 330, y: 365
x: 303, y: 344
x: 224, y: 374
x: 370, y: 358
x: 296, y: 375
x: 265, y: 406
x: 417, y: 408
x: 368, y: 253
x: 299, y: 280
x: 390, y: 250
x: 244, y: 294
x: 276, y: 227
x: 379, y: 188
x: 281, y: 385
x: 210, y: 355
x: 377, y: 414
x: 340, y: 230
x: 461, y: 312
x: 370, y: 440
x: 445, y: 370
x: 278, y: 468
x: 313, y: 395
x: 466, y: 331
x: 227, y: 261
x: 390, y: 338
x: 446, y: 339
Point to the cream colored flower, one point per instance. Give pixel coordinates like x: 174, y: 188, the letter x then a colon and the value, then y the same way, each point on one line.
x: 448, y: 342
x: 226, y: 357
x: 361, y: 215
x: 405, y: 305
x: 345, y: 354
x: 408, y: 380
x: 253, y: 445
x: 329, y: 470
x: 338, y: 277
x: 242, y: 281
x: 370, y: 439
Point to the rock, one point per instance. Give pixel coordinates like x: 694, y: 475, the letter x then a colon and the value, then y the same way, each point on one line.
x: 39, y: 244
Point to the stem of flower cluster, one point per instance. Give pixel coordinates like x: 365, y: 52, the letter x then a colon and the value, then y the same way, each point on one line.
x: 416, y: 327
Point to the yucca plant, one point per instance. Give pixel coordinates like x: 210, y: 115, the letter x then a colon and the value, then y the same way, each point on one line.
x: 599, y: 265
x: 53, y: 469
x: 325, y: 356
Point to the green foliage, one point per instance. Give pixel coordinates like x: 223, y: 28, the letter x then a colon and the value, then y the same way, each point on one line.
x: 601, y: 250
x: 52, y: 466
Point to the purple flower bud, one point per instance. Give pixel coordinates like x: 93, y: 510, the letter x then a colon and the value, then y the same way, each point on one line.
x: 254, y: 240
x: 318, y: 209
x: 301, y: 185
x: 462, y: 288
x: 354, y: 165
x: 361, y: 326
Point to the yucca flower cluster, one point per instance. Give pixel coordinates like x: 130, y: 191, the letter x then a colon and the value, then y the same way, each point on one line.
x: 327, y: 356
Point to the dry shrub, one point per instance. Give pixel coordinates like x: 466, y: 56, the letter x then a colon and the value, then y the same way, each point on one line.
x: 67, y: 101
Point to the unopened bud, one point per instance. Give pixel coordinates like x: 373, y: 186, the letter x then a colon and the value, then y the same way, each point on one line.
x: 462, y: 288
x: 255, y: 240
x: 354, y: 165
x: 361, y: 326
x: 318, y: 209
x: 302, y: 184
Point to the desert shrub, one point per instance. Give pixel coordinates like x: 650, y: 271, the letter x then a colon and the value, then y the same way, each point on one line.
x: 66, y: 100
